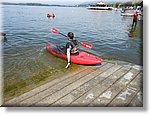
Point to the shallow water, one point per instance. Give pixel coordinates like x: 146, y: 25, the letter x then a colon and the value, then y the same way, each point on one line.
x: 28, y: 31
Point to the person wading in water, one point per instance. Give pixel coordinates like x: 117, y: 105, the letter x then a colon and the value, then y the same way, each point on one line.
x: 135, y: 18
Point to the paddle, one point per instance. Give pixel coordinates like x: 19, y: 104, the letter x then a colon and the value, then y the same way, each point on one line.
x: 84, y: 44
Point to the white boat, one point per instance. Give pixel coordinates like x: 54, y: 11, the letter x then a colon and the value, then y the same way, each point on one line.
x: 100, y: 6
x: 127, y: 12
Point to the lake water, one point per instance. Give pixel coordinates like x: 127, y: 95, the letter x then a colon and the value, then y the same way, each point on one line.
x: 28, y: 31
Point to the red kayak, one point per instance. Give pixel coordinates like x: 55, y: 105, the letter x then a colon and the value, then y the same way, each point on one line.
x: 82, y: 58
x: 50, y: 15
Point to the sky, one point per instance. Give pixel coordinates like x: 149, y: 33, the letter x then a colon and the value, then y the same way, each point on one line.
x: 58, y: 1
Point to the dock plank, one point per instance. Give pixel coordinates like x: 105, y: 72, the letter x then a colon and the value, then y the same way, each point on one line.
x: 54, y: 97
x: 66, y: 100
x: 110, y: 84
x: 106, y: 96
x: 127, y: 93
x: 90, y: 95
x: 137, y: 85
x: 49, y: 91
x: 137, y: 101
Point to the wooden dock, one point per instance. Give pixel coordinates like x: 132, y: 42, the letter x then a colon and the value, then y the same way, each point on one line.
x: 110, y: 84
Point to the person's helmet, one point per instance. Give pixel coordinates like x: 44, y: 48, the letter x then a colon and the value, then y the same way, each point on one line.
x: 70, y: 35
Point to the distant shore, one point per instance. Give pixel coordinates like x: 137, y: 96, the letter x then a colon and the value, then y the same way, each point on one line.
x: 39, y: 4
x: 85, y: 4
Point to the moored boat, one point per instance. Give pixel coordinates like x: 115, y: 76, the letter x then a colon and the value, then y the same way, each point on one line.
x: 127, y: 12
x: 100, y: 6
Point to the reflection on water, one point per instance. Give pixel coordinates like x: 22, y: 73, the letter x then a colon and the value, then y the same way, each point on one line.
x: 28, y: 31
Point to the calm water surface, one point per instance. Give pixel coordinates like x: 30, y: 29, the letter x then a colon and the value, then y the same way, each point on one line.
x: 28, y: 31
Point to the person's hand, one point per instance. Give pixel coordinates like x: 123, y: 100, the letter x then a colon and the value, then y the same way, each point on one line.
x: 67, y: 65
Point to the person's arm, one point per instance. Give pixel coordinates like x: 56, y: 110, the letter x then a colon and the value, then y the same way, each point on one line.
x: 68, y: 57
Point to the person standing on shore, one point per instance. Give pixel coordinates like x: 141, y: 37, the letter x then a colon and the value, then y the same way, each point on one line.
x: 135, y: 18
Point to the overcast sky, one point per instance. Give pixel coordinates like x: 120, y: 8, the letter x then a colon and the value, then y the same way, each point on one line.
x: 58, y: 1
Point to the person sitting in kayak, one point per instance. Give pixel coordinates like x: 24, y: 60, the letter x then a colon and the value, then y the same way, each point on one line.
x: 72, y: 47
x: 53, y: 15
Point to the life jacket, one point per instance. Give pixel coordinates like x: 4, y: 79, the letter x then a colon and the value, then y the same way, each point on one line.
x: 53, y: 15
x: 135, y: 15
x: 75, y: 46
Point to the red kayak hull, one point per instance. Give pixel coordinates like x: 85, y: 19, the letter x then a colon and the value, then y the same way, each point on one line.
x: 82, y: 58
